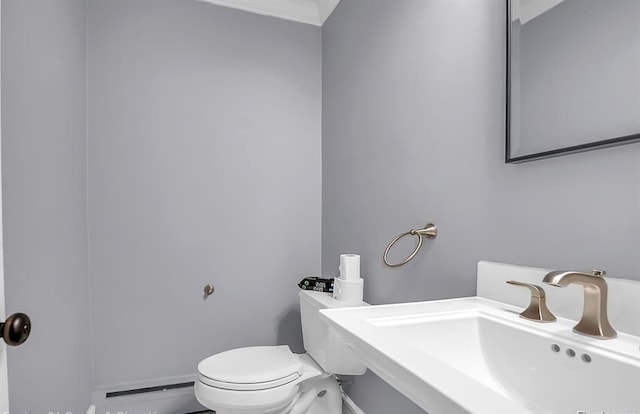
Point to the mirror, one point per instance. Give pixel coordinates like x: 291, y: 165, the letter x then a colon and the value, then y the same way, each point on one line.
x: 573, y: 76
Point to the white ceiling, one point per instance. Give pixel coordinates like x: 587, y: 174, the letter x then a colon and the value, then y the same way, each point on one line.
x: 313, y: 12
x: 527, y: 10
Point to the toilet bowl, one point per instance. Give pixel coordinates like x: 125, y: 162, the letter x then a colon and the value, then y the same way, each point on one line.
x: 274, y: 380
x: 268, y: 380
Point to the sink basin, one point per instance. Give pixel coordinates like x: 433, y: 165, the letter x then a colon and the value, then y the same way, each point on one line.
x: 476, y: 355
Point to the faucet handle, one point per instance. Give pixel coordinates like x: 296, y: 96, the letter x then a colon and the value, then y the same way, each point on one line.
x: 537, y: 310
x: 599, y: 272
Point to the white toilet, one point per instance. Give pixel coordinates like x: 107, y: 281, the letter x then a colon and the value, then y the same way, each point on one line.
x: 274, y: 380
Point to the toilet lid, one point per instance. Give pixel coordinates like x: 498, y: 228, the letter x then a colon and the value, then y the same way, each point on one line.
x: 252, y: 368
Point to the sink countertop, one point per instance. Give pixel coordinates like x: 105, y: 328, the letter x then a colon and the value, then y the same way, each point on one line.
x: 392, y: 341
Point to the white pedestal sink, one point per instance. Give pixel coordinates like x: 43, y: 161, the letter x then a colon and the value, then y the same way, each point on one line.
x: 476, y: 355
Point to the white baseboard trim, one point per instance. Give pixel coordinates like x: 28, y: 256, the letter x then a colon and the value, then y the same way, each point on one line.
x: 349, y: 407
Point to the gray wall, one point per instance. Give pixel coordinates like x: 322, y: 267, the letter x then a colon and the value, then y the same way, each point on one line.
x: 204, y: 166
x: 413, y: 131
x: 579, y: 74
x: 44, y: 201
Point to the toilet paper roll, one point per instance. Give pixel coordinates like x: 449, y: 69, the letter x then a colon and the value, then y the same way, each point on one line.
x: 349, y: 266
x: 348, y: 291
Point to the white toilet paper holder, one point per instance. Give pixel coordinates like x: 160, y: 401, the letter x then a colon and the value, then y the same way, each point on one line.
x: 430, y: 231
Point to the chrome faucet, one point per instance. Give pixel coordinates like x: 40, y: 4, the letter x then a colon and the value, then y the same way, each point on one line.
x: 594, y: 322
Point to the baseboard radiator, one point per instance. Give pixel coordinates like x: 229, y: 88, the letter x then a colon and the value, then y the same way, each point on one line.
x: 146, y: 390
x: 170, y: 396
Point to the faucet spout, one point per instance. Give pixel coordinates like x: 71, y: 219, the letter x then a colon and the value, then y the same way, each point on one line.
x: 563, y: 278
x: 594, y: 322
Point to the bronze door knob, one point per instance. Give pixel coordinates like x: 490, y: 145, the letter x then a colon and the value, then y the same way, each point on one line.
x: 16, y: 329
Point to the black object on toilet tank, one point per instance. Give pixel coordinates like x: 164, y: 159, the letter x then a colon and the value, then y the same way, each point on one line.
x: 317, y: 284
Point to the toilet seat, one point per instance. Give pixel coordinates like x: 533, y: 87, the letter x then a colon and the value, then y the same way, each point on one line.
x: 251, y: 368
x: 238, y: 392
x: 254, y: 380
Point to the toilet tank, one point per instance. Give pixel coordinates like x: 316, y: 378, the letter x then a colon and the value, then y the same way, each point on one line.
x: 320, y: 342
